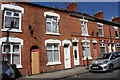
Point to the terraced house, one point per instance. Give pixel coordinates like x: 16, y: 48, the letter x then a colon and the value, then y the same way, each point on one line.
x: 41, y: 39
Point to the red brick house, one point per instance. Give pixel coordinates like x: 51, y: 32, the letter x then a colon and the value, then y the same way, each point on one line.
x: 41, y: 39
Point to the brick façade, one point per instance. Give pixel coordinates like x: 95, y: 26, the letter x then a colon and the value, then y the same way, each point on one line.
x: 69, y: 28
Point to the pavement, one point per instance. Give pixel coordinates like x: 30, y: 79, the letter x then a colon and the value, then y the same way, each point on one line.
x: 57, y: 74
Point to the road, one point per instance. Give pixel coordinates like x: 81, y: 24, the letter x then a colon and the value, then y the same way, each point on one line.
x: 93, y: 75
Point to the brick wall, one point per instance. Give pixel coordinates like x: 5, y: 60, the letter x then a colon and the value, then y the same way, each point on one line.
x: 69, y: 28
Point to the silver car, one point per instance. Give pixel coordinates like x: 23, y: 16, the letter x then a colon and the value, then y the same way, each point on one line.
x: 106, y: 62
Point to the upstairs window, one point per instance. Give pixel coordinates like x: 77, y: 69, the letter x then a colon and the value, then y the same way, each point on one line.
x: 116, y: 32
x: 100, y: 28
x: 84, y: 27
x: 52, y: 20
x: 12, y: 17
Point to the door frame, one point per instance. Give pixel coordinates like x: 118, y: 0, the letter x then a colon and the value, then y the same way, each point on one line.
x: 67, y: 42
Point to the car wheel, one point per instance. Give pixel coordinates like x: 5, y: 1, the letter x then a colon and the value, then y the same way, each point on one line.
x: 111, y: 68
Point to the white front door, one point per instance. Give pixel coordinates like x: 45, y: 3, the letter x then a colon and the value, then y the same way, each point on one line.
x: 67, y: 56
x: 76, y: 54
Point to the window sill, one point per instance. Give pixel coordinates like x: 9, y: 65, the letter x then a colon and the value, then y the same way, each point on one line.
x: 57, y: 34
x: 84, y: 34
x: 117, y: 37
x: 53, y: 63
x: 86, y: 58
x: 101, y: 35
x: 19, y: 66
x: 11, y: 30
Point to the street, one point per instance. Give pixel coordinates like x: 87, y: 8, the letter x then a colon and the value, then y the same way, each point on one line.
x: 100, y: 75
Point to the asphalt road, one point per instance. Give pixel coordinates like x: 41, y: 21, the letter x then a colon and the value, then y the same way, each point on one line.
x: 115, y: 75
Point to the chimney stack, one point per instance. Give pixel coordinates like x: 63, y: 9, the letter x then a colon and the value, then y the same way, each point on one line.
x: 72, y: 6
x: 99, y: 15
x: 116, y: 19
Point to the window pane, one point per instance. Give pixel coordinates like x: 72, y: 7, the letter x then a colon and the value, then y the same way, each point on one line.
x: 54, y: 27
x: 6, y: 48
x: 8, y: 13
x: 15, y: 59
x: 17, y: 22
x: 48, y: 18
x: 15, y: 48
x: 49, y: 46
x: 8, y: 21
x: 101, y: 32
x: 16, y: 14
x: 116, y: 33
x: 48, y: 26
x: 56, y: 56
x: 102, y: 49
x: 49, y: 56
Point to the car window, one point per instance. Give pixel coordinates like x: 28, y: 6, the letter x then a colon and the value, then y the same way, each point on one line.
x: 112, y: 57
x: 115, y: 54
x: 118, y: 53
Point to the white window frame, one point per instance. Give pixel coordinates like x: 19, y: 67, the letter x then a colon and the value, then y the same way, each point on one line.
x: 100, y: 26
x: 84, y: 21
x: 11, y: 52
x: 116, y: 29
x: 51, y: 14
x: 13, y: 40
x: 53, y: 41
x: 103, y: 45
x: 12, y: 7
x: 85, y: 45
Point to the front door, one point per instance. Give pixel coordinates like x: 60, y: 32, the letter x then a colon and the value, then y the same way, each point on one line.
x: 76, y: 54
x: 35, y: 61
x: 67, y: 56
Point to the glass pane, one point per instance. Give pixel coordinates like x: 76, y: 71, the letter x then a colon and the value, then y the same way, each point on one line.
x: 55, y: 46
x: 16, y: 14
x: 48, y: 26
x: 49, y: 56
x: 6, y: 48
x: 15, y: 23
x: 54, y: 28
x: 8, y: 21
x: 15, y: 48
x: 15, y: 59
x: 49, y: 46
x: 116, y: 33
x: 8, y: 13
x: 102, y: 49
x: 75, y: 53
x: 48, y: 18
x: 56, y: 56
x: 101, y: 32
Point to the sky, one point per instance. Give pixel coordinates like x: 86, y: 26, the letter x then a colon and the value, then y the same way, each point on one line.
x: 110, y: 9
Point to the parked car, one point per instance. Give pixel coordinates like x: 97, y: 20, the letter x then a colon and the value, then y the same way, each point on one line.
x: 106, y: 62
x: 7, y: 71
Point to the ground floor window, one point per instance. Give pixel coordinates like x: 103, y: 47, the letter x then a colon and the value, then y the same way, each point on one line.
x: 102, y: 48
x: 53, y: 51
x: 86, y: 50
x: 118, y: 47
x: 11, y: 52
